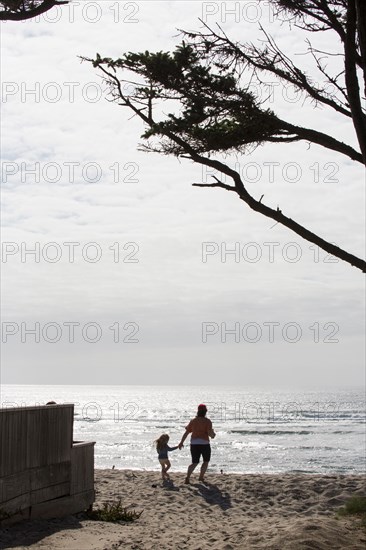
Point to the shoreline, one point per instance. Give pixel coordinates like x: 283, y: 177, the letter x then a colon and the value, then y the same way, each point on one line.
x: 230, y: 511
x: 216, y: 473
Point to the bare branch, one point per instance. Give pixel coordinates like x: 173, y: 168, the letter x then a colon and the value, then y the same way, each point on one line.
x: 15, y: 10
x: 270, y: 59
x: 279, y: 217
x: 222, y: 185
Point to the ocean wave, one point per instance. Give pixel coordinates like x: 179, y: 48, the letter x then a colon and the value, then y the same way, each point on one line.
x: 270, y: 432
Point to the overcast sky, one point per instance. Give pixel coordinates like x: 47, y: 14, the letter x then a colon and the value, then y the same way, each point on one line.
x: 131, y: 280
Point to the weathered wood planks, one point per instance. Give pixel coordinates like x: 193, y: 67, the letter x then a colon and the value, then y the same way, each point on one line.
x: 42, y: 474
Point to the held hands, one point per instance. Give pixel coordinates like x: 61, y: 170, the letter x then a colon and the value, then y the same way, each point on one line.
x: 180, y: 445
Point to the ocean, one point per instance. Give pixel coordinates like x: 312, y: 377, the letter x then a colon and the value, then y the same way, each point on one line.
x: 258, y: 430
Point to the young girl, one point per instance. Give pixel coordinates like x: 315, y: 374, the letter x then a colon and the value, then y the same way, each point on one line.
x: 162, y: 448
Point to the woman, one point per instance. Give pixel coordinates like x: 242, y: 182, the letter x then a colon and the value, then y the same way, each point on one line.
x: 201, y: 430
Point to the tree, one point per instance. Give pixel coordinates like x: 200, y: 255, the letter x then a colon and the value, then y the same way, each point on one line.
x: 19, y: 10
x: 214, y: 112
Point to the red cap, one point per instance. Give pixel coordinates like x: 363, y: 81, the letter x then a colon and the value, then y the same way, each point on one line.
x: 202, y: 406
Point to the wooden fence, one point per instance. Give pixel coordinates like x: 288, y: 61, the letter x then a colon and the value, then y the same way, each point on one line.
x: 43, y: 473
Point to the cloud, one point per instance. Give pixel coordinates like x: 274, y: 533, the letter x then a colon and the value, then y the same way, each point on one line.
x: 73, y: 174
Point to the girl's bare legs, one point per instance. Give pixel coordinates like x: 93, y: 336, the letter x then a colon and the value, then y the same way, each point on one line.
x: 164, y: 468
x: 167, y: 467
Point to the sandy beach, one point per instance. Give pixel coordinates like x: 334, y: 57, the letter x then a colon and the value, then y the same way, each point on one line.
x: 275, y: 512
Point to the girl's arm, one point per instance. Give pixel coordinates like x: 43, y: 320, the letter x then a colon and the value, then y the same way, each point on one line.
x: 172, y: 448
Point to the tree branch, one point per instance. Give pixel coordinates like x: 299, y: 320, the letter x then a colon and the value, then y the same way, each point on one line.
x: 279, y: 217
x: 353, y: 90
x: 361, y: 31
x: 217, y: 184
x: 214, y: 113
x: 21, y: 15
x: 324, y: 140
x: 270, y: 60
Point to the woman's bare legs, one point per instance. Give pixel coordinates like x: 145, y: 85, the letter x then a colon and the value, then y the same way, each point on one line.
x: 191, y: 468
x: 203, y: 470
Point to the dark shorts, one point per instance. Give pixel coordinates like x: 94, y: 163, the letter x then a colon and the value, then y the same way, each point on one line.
x: 198, y: 450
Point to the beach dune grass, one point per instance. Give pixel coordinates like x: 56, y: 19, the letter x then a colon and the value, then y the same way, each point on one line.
x: 355, y: 506
x: 113, y: 512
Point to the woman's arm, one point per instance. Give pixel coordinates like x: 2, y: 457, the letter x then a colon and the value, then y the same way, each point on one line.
x: 211, y: 433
